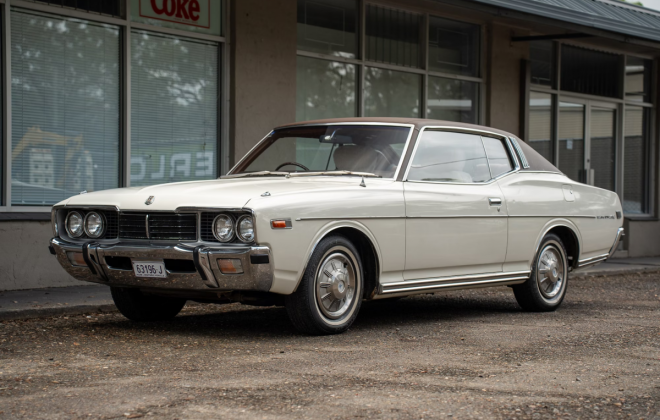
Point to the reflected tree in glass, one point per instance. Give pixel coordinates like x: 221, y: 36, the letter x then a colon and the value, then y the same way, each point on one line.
x: 324, y: 89
x: 390, y: 93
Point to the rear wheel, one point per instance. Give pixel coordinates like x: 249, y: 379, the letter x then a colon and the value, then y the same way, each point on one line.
x: 329, y: 296
x: 137, y: 306
x: 546, y: 287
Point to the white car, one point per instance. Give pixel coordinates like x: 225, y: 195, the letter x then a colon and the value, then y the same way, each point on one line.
x: 322, y: 215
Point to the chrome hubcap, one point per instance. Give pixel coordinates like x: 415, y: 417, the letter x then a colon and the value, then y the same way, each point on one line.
x: 335, y: 285
x: 551, y: 272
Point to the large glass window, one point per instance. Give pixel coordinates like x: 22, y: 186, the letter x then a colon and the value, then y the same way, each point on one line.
x: 542, y: 59
x: 638, y: 79
x: 393, y: 36
x: 328, y: 27
x: 590, y: 72
x: 324, y: 89
x: 444, y: 156
x: 571, y: 140
x: 174, y: 121
x: 398, y: 76
x: 65, y: 107
x: 636, y: 160
x: 390, y: 93
x: 453, y: 47
x: 452, y: 100
x: 541, y: 123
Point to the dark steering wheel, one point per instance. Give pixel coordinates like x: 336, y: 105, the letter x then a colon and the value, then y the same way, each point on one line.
x: 294, y: 164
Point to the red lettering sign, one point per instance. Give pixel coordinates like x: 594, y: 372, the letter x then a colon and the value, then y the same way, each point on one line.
x: 185, y: 12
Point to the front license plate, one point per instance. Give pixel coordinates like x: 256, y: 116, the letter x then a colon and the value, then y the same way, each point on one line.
x: 149, y: 269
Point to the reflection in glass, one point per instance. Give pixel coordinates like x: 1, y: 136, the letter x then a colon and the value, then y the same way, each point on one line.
x: 389, y: 93
x: 452, y: 100
x: 571, y: 140
x: 393, y: 36
x: 174, y: 106
x: 498, y: 158
x: 454, y: 47
x: 324, y: 89
x: 65, y: 107
x: 328, y: 27
x: 542, y: 59
x: 603, y: 150
x: 540, y: 124
x: 638, y: 79
x: 444, y: 156
x: 636, y: 160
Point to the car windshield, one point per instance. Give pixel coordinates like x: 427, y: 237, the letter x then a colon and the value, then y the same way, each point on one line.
x: 348, y: 149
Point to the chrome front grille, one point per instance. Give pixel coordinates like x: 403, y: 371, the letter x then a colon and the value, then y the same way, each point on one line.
x: 158, y: 226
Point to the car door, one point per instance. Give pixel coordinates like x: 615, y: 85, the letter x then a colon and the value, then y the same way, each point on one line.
x: 456, y: 217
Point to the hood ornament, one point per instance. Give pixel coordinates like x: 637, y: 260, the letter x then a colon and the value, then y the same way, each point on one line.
x: 362, y: 184
x: 150, y: 200
x: 266, y: 194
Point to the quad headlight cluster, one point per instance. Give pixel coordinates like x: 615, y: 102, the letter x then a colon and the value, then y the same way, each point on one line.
x: 92, y: 224
x: 225, y: 227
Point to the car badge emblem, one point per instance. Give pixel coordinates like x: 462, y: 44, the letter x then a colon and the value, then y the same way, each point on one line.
x: 150, y: 200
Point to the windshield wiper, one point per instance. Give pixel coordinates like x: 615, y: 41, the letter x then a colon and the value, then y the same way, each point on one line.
x: 349, y: 173
x: 260, y: 173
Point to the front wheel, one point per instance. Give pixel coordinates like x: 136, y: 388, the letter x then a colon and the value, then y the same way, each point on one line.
x: 137, y: 306
x: 546, y: 287
x: 329, y: 295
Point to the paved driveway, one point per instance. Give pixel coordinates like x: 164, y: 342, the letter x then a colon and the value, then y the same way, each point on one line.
x: 468, y: 354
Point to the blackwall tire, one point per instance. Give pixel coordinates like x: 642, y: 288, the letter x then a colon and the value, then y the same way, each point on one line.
x: 545, y: 289
x: 329, y: 295
x: 136, y: 306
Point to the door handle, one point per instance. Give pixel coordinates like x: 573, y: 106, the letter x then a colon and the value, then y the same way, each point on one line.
x: 495, y: 201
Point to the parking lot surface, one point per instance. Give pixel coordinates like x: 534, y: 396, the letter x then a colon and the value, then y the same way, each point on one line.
x: 462, y: 354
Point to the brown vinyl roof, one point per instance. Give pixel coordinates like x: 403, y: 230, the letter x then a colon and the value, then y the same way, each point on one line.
x: 535, y: 160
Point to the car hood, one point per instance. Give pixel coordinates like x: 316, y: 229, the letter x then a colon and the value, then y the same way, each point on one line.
x: 219, y: 193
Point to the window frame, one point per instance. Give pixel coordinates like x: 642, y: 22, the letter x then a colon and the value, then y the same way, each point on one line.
x: 481, y: 133
x: 126, y: 25
x: 423, y: 71
x: 621, y: 104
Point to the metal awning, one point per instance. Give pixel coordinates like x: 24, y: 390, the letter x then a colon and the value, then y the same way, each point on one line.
x: 607, y: 15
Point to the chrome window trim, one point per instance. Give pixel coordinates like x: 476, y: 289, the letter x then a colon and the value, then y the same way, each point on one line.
x: 457, y: 130
x: 403, y: 153
x: 521, y: 154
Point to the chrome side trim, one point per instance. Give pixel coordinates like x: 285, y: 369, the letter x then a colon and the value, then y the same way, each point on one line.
x: 593, y: 260
x: 302, y: 219
x: 440, y: 283
x: 619, y: 234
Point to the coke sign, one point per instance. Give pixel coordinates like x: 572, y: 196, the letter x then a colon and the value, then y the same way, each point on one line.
x: 185, y: 12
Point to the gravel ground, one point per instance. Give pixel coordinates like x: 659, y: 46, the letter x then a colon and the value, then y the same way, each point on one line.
x: 463, y: 354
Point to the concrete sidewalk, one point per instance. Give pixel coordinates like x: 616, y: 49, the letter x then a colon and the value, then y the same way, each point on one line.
x: 87, y: 298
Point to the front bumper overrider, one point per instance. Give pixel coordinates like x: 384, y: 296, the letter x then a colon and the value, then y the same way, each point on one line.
x: 200, y: 271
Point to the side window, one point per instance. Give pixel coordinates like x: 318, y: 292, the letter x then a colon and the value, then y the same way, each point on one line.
x: 498, y: 158
x: 443, y: 156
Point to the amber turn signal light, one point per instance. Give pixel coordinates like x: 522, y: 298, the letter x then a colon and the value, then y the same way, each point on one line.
x: 230, y: 266
x: 280, y: 224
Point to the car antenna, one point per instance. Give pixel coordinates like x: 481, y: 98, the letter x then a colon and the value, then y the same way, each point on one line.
x: 362, y: 184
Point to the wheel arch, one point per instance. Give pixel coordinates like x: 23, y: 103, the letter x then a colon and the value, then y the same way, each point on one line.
x: 364, y: 241
x: 569, y: 235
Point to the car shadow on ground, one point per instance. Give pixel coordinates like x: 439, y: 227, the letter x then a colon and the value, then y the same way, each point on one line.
x: 246, y: 321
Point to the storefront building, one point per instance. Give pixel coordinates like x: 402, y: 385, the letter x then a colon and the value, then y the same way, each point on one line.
x: 101, y: 94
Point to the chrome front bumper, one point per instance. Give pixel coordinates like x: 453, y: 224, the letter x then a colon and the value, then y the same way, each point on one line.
x: 256, y: 261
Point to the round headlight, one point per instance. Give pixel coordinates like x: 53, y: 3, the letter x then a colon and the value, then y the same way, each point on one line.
x: 245, y: 230
x: 74, y: 224
x: 223, y: 228
x: 94, y: 225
